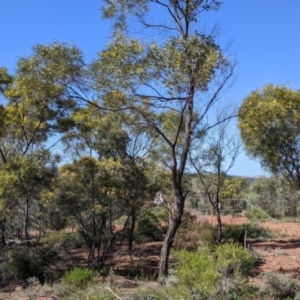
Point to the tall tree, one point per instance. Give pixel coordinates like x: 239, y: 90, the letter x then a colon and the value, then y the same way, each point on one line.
x: 40, y: 96
x: 38, y: 99
x: 180, y: 74
x: 269, y: 121
x: 22, y: 181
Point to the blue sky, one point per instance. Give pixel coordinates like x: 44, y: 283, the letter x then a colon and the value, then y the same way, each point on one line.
x: 264, y: 36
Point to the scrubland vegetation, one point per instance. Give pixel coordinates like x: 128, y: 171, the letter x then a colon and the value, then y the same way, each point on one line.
x: 85, y: 148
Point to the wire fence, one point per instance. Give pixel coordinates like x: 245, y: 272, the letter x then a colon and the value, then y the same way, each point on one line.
x: 233, y: 207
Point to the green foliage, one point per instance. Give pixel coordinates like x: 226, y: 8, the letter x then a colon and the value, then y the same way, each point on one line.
x: 236, y: 233
x: 71, y: 240
x: 192, y: 233
x: 256, y: 215
x: 29, y: 262
x: 22, y: 181
x: 269, y: 121
x: 149, y: 225
x: 232, y: 257
x: 5, y: 79
x: 79, y: 277
x: 202, y: 271
x: 281, y: 286
x: 232, y: 188
x: 274, y: 195
x: 197, y: 270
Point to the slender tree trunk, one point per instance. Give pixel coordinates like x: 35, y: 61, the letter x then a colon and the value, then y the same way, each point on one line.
x: 168, y: 242
x: 130, y: 238
x: 26, y: 225
x: 220, y: 232
x: 2, y: 227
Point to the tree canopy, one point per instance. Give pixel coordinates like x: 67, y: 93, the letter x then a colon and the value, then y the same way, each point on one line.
x: 269, y: 121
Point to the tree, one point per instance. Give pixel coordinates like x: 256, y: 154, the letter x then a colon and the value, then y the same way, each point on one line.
x: 233, y: 188
x: 38, y: 103
x: 274, y: 195
x: 181, y: 74
x: 40, y: 97
x: 95, y: 194
x: 212, y: 163
x: 269, y: 121
x: 22, y: 181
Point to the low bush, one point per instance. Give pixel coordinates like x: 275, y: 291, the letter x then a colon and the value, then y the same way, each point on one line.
x: 28, y: 262
x: 203, y: 272
x: 79, y: 277
x: 236, y: 233
x: 281, y: 286
x: 232, y: 258
x: 149, y: 227
x: 22, y: 264
x: 256, y: 215
x: 71, y: 240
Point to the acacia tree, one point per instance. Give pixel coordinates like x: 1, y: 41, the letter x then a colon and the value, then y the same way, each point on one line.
x: 106, y: 135
x: 22, y: 182
x: 269, y: 121
x: 182, y: 73
x: 95, y: 193
x: 37, y: 103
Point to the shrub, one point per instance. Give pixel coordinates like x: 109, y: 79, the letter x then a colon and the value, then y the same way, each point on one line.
x: 197, y: 270
x: 71, y: 240
x: 281, y: 286
x: 149, y: 227
x: 232, y: 258
x: 204, y: 272
x: 256, y: 215
x: 236, y: 233
x: 24, y: 264
x: 29, y: 262
x: 79, y: 277
x: 192, y: 233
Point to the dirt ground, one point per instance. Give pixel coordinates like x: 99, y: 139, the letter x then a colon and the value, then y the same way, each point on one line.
x: 280, y: 254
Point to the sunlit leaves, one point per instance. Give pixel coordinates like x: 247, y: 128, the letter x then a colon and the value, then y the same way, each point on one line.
x: 5, y: 79
x: 269, y: 121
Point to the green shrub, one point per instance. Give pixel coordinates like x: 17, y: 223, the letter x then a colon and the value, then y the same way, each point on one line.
x: 236, y: 233
x: 71, y: 240
x: 149, y: 227
x: 281, y: 286
x: 232, y: 258
x: 24, y: 264
x: 79, y: 277
x: 256, y: 215
x: 204, y: 272
x: 29, y: 262
x: 197, y: 270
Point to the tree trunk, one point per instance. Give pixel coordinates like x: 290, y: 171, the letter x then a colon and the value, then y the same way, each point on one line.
x: 220, y: 233
x: 26, y: 225
x: 2, y: 227
x: 130, y: 237
x: 168, y: 242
